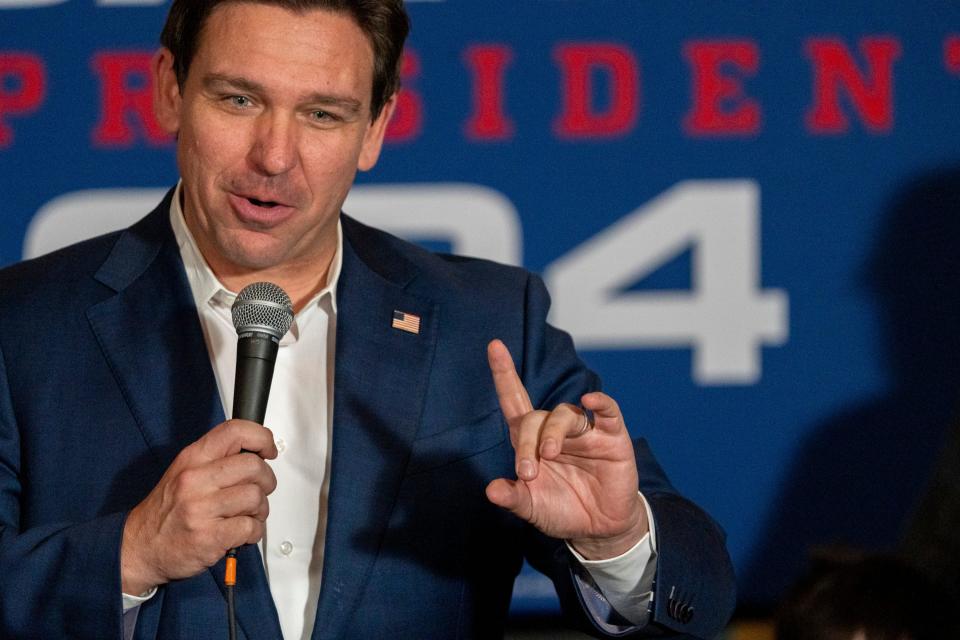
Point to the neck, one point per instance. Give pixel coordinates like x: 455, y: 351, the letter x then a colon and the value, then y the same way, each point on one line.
x: 301, y: 281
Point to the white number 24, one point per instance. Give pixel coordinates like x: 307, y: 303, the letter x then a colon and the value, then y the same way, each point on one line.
x: 724, y: 316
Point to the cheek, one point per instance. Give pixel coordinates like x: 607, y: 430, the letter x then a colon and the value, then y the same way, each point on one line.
x: 332, y: 158
x: 326, y: 168
x: 212, y: 146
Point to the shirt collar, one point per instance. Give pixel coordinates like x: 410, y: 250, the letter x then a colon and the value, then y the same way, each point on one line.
x: 205, y: 285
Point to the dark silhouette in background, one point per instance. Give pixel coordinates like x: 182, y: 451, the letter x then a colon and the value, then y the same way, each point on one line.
x: 932, y: 541
x: 859, y: 476
x: 846, y: 597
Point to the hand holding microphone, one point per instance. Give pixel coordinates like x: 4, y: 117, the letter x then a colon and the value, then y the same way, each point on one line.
x: 213, y: 498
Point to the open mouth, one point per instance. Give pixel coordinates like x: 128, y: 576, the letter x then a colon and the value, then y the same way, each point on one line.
x: 268, y: 204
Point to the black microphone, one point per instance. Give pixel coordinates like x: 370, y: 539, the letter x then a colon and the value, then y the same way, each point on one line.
x: 262, y: 314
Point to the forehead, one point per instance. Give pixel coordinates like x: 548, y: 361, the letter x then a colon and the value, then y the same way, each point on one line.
x: 267, y: 42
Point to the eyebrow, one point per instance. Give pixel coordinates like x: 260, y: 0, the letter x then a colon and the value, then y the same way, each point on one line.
x: 215, y: 81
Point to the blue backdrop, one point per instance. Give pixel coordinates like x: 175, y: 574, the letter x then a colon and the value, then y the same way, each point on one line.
x: 746, y: 212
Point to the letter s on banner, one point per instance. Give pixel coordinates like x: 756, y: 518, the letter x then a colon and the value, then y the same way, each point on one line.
x: 725, y: 317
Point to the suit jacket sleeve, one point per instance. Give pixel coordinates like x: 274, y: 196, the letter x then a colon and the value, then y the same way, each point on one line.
x: 694, y: 591
x: 56, y: 580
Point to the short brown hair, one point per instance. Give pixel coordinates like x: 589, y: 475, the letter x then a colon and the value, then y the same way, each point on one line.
x: 384, y: 22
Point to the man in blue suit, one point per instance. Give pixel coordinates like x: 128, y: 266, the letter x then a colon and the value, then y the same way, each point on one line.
x: 393, y: 510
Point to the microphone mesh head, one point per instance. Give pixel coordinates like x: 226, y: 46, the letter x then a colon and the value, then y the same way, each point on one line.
x: 263, y: 307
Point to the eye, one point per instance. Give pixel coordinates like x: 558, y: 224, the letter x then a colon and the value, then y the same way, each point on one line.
x: 323, y: 116
x: 241, y: 102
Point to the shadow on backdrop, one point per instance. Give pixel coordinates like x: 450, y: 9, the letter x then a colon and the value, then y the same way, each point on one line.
x: 858, y: 476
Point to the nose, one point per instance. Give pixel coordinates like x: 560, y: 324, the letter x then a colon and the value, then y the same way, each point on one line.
x: 274, y: 150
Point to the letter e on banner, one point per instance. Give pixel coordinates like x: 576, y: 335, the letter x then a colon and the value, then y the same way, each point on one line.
x: 23, y: 83
x: 719, y: 105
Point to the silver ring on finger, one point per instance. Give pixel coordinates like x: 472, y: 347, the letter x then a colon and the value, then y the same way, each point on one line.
x: 585, y: 426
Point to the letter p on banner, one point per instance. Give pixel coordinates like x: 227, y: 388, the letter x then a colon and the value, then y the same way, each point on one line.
x: 23, y: 84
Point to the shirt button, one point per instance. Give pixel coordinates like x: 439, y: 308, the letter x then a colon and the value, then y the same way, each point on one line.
x: 281, y: 445
x: 286, y: 547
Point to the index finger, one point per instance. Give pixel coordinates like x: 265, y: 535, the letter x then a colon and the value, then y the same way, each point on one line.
x: 513, y: 397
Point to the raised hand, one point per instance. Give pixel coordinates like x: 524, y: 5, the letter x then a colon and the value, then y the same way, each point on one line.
x: 575, y: 481
x: 212, y: 498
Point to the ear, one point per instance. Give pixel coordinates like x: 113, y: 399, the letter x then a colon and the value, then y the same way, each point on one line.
x: 373, y: 138
x: 166, y: 91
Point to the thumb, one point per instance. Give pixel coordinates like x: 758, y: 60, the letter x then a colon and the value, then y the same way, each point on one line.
x: 511, y: 495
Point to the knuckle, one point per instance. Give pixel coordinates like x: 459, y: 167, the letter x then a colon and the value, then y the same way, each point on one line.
x: 558, y: 418
x: 254, y: 530
x: 250, y: 465
x: 251, y: 495
x: 530, y: 424
x: 271, y: 480
x: 191, y: 513
x: 565, y: 408
x: 234, y: 428
x: 210, y: 555
x: 184, y: 483
x: 226, y: 538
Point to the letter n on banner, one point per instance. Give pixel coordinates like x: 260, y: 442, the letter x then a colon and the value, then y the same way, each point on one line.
x: 871, y: 94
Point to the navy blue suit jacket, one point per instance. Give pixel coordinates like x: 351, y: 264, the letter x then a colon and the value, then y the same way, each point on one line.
x: 104, y: 378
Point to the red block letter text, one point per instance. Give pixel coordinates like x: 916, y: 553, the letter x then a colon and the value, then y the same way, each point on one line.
x: 579, y: 64
x: 488, y: 64
x: 951, y: 54
x: 719, y: 105
x: 870, y: 94
x: 125, y: 98
x: 22, y: 87
x: 408, y: 116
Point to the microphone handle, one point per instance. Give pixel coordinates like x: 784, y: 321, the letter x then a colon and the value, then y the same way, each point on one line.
x: 256, y: 357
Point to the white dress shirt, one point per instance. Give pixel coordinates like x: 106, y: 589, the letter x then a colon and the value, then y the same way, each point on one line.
x: 300, y: 414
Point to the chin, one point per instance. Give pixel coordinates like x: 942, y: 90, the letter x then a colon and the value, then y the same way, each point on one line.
x: 255, y: 255
x: 255, y: 261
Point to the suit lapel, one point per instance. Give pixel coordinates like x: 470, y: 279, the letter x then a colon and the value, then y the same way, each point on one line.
x: 150, y: 335
x: 380, y: 383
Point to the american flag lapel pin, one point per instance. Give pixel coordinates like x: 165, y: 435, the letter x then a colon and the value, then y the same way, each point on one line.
x: 406, y: 322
